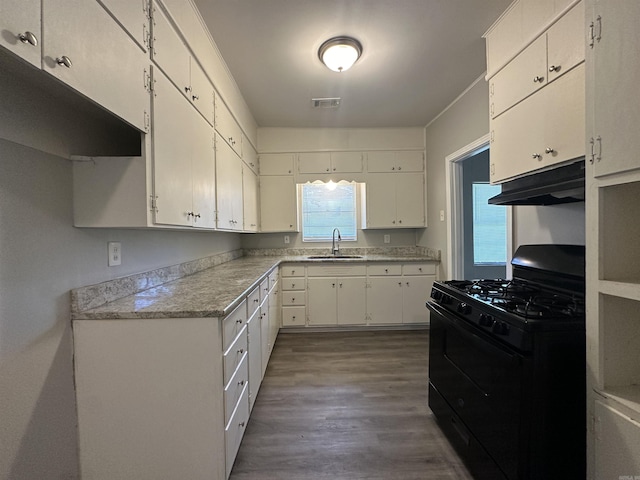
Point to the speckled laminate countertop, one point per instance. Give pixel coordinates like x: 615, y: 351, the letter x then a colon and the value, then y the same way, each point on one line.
x: 213, y: 292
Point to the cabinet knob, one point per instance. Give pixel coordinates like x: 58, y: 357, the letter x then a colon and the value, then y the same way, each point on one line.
x: 549, y: 150
x: 28, y: 37
x: 195, y: 97
x: 536, y: 156
x: 187, y: 89
x: 239, y: 320
x: 189, y: 214
x: 64, y: 61
x: 241, y: 351
x: 554, y: 68
x: 538, y: 79
x: 241, y: 382
x: 241, y: 424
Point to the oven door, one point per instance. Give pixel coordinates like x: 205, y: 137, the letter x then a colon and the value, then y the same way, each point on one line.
x: 480, y: 380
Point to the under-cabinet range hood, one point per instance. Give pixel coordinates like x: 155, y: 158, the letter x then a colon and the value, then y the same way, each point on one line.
x: 552, y: 187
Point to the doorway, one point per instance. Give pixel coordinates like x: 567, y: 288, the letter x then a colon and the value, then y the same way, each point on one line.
x: 480, y: 247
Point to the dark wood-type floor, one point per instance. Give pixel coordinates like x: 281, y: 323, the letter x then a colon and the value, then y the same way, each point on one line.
x: 346, y: 406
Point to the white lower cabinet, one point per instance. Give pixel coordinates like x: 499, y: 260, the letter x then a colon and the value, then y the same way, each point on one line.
x: 149, y: 395
x: 368, y: 293
x: 336, y: 294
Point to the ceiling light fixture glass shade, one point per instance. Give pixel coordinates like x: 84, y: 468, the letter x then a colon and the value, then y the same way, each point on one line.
x: 340, y: 53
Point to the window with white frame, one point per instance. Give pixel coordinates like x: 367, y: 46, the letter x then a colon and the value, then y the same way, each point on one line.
x: 326, y: 206
x: 489, y: 227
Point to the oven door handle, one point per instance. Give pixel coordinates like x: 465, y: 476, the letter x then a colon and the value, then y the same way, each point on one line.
x: 478, y: 337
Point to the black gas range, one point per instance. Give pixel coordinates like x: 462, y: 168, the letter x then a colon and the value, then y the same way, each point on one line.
x: 507, y: 366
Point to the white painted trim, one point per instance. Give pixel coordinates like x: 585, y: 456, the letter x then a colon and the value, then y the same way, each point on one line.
x: 453, y: 183
x: 464, y: 92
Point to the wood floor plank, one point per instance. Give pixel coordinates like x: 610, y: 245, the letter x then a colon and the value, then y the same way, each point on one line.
x: 346, y: 405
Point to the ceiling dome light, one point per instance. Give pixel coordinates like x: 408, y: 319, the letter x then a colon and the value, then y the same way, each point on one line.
x: 340, y: 53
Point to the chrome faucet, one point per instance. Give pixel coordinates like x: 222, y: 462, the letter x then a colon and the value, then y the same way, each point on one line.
x: 335, y: 247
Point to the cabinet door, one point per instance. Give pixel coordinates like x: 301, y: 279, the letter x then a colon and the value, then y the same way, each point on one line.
x: 264, y: 333
x: 380, y: 200
x: 564, y: 119
x: 133, y: 16
x: 403, y: 161
x: 517, y: 137
x: 318, y: 162
x: 416, y: 290
x: 410, y: 161
x: 20, y: 26
x: 614, y: 69
x: 384, y: 300
x: 227, y: 127
x: 249, y: 156
x: 351, y: 301
x: 172, y: 174
x: 278, y: 211
x: 410, y: 205
x: 520, y: 78
x: 201, y: 91
x: 249, y: 199
x: 169, y: 51
x: 276, y: 163
x: 104, y: 63
x: 228, y: 187
x: 566, y: 42
x: 203, y: 172
x: 346, y: 162
x: 275, y: 315
x: 322, y: 298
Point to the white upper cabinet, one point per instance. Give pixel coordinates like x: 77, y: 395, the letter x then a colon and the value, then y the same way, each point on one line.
x: 86, y: 49
x: 401, y: 161
x: 276, y: 163
x: 227, y: 126
x: 133, y: 16
x: 614, y: 66
x: 228, y: 187
x: 169, y: 52
x: 395, y: 200
x: 250, y: 199
x: 20, y: 29
x: 183, y: 159
x: 550, y: 56
x: 249, y: 155
x: 330, y: 162
x: 278, y: 206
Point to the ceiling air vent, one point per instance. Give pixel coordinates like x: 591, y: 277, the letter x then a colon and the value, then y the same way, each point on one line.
x: 325, y: 102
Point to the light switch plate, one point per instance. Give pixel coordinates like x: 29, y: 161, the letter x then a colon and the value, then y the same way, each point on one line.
x: 115, y: 253
x: 387, y: 239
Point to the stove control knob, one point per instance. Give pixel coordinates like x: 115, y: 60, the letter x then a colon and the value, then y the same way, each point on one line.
x: 464, y: 308
x: 486, y: 320
x: 436, y: 295
x: 446, y: 299
x: 500, y: 328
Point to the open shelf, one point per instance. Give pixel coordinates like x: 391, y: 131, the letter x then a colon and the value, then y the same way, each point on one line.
x: 628, y: 397
x: 628, y: 289
x: 620, y: 233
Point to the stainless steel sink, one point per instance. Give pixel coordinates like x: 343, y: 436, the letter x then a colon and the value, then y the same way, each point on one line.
x: 331, y: 257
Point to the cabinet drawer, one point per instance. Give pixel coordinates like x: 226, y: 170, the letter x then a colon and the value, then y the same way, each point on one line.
x: 234, y: 355
x: 234, y: 430
x: 293, y: 283
x: 293, y: 316
x: 235, y: 387
x: 384, y: 269
x: 337, y: 270
x: 293, y: 298
x: 232, y: 324
x: 419, y: 269
x: 292, y: 270
x: 253, y: 301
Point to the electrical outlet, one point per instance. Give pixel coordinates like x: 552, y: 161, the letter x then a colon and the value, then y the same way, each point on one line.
x: 115, y: 253
x: 387, y: 239
x: 286, y: 239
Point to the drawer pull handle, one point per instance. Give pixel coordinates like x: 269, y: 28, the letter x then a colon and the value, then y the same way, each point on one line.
x: 241, y: 351
x: 239, y: 321
x: 538, y: 79
x: 28, y: 37
x: 241, y: 424
x: 241, y: 382
x: 554, y: 68
x: 536, y: 156
x: 549, y: 150
x: 64, y: 61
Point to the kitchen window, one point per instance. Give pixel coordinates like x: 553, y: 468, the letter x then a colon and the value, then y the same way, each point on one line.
x: 489, y: 227
x: 326, y: 206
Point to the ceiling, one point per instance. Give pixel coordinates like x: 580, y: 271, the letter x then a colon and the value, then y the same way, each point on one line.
x: 418, y: 56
